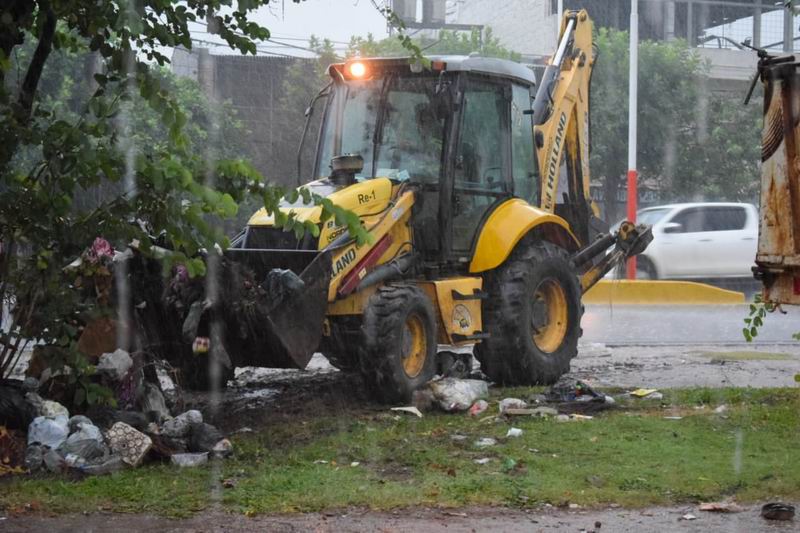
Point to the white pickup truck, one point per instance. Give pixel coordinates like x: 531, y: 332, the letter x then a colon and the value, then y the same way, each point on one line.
x: 699, y: 240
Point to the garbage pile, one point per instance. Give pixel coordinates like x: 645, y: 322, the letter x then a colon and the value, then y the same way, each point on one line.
x: 37, y: 434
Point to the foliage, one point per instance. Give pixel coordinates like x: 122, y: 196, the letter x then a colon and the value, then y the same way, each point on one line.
x: 61, y: 137
x: 693, y: 143
x: 447, y: 42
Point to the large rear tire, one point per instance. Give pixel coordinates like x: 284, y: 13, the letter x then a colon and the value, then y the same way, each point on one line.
x: 532, y: 315
x: 398, y: 353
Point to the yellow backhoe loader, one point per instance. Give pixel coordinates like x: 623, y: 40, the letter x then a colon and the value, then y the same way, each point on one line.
x: 474, y: 187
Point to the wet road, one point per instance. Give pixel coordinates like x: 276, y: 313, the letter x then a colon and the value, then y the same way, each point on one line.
x: 648, y: 325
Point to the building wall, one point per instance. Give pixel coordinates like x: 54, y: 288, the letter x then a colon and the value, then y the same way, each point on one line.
x: 253, y: 87
x: 524, y: 26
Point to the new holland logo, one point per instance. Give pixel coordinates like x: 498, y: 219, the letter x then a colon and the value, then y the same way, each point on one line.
x: 552, y: 164
x: 344, y: 261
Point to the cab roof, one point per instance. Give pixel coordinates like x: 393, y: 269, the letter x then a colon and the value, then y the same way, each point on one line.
x: 491, y: 66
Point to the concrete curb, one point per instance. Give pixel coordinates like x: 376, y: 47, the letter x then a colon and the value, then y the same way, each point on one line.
x: 646, y: 292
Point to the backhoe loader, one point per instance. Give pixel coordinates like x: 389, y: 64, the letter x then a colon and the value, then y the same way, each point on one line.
x: 472, y: 182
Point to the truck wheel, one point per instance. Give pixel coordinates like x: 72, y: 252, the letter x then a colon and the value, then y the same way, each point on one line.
x: 533, y: 317
x: 398, y: 353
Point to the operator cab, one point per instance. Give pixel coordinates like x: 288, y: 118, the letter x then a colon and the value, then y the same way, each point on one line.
x: 459, y: 130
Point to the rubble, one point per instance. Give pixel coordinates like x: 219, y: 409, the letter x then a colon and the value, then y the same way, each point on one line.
x: 152, y: 401
x: 132, y: 445
x: 458, y: 394
x: 52, y: 409
x: 86, y: 442
x: 203, y: 437
x: 115, y: 365
x: 181, y: 425
x: 511, y: 403
x: 51, y: 432
x: 34, y: 457
x: 185, y: 460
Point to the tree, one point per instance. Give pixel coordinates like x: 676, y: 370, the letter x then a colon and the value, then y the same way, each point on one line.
x: 50, y: 153
x: 693, y: 144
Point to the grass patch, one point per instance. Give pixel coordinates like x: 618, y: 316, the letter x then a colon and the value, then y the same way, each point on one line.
x: 746, y: 356
x: 631, y: 456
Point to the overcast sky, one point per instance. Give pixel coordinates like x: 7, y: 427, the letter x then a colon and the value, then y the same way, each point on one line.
x: 292, y: 23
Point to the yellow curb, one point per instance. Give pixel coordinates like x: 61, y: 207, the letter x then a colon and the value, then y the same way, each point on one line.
x: 645, y: 292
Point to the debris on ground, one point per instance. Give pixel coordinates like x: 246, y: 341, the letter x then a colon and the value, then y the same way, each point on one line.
x: 777, y: 511
x: 129, y: 443
x: 180, y: 426
x: 721, y: 409
x: 410, y: 409
x: 52, y: 409
x: 478, y: 407
x: 514, y: 432
x: 203, y: 437
x: 650, y: 394
x: 114, y: 365
x: 536, y: 411
x: 188, y: 460
x: 688, y: 516
x: 50, y: 432
x: 453, y: 394
x: 12, y: 451
x: 511, y: 403
x: 721, y: 507
x: 483, y: 461
x: 485, y: 442
x: 574, y: 396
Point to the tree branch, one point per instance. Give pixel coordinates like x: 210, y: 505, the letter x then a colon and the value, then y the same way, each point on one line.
x: 27, y: 92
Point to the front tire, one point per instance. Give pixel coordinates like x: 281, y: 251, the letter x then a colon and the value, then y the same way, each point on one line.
x: 398, y: 352
x: 533, y: 317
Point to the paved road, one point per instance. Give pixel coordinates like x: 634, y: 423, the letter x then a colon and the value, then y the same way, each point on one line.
x: 696, y: 324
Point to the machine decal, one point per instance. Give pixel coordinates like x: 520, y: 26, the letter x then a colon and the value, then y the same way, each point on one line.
x: 344, y: 261
x: 552, y: 164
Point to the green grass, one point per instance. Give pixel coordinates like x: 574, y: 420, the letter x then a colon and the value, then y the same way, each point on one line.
x: 631, y: 456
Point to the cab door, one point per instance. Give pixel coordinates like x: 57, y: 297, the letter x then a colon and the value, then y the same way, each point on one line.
x: 481, y: 167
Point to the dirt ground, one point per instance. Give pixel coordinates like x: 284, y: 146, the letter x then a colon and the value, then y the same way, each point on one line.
x: 428, y: 520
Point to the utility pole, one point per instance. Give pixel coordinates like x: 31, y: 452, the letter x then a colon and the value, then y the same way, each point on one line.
x: 633, y: 87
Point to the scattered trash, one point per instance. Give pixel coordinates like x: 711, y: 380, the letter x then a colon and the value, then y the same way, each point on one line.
x: 485, y: 442
x: 16, y: 412
x: 75, y: 421
x: 181, y: 425
x: 778, y: 511
x: 354, y: 464
x: 12, y: 451
x: 478, y: 407
x: 721, y: 409
x: 189, y: 460
x: 152, y: 401
x: 458, y: 438
x: 86, y: 442
x: 458, y: 394
x: 483, y: 461
x: 514, y: 432
x: 511, y: 403
x: 688, y: 516
x: 575, y: 396
x: 651, y: 394
x: 223, y: 448
x: 115, y: 365
x: 109, y: 466
x: 52, y: 409
x: 536, y: 411
x: 562, y: 418
x: 54, y: 462
x: 129, y: 443
x: 51, y: 432
x: 203, y: 437
x: 34, y: 457
x: 673, y: 418
x: 228, y: 483
x: 413, y: 410
x: 721, y: 507
x: 580, y: 417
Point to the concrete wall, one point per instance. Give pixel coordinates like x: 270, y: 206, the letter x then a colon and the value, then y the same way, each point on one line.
x: 524, y: 26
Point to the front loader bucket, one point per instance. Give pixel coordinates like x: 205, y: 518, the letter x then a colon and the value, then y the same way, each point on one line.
x: 282, y: 332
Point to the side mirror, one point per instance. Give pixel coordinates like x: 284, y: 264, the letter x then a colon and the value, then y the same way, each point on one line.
x: 672, y: 227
